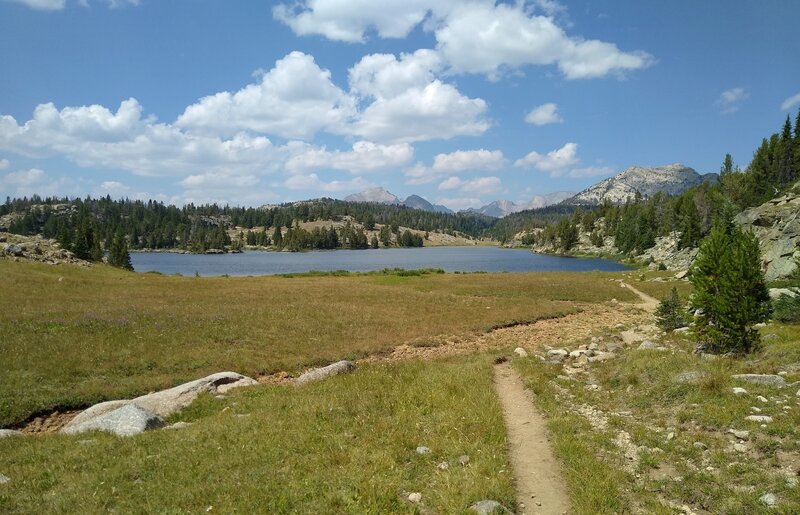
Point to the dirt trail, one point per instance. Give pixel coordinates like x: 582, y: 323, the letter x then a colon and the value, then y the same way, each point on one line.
x: 540, y: 486
x: 648, y: 303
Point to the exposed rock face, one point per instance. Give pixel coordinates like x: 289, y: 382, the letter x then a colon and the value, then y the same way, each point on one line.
x: 36, y: 248
x: 378, y: 195
x: 417, y: 202
x: 671, y: 179
x: 762, y: 379
x: 501, y: 208
x: 7, y: 433
x: 340, y: 367
x: 666, y: 252
x: 128, y: 420
x: 161, y: 404
x: 776, y: 223
x: 497, y: 209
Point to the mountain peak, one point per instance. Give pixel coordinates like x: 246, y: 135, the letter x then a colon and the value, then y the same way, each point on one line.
x: 378, y: 194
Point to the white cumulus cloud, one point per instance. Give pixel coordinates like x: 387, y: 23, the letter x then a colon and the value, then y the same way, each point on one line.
x: 295, y: 99
x: 313, y: 182
x: 4, y: 164
x: 544, y: 114
x: 385, y: 76
x: 43, y: 5
x: 454, y: 162
x: 791, y: 102
x: 365, y: 156
x: 451, y: 183
x: 555, y: 162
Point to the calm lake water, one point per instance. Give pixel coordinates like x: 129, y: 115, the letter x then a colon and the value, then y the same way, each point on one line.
x: 451, y: 259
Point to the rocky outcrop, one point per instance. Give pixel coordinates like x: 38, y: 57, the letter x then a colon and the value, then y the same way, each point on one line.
x: 776, y: 223
x: 36, y: 248
x: 672, y: 179
x: 340, y: 367
x: 159, y: 404
x: 127, y: 420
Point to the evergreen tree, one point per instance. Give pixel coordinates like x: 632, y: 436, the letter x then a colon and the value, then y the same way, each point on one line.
x: 730, y: 290
x: 669, y: 314
x: 277, y: 237
x: 118, y: 254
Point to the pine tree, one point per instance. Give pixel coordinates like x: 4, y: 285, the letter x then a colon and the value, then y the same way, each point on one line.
x: 730, y: 290
x: 118, y: 254
x: 669, y: 315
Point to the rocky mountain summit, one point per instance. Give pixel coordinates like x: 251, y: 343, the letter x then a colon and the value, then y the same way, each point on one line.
x: 417, y: 202
x: 378, y: 195
x: 671, y: 179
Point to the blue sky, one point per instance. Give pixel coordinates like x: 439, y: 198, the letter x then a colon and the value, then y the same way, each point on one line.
x: 462, y: 102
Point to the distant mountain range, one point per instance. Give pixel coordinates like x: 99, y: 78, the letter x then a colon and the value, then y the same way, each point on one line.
x: 496, y: 209
x: 671, y: 179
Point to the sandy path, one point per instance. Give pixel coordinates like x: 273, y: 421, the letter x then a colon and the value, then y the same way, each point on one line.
x: 540, y: 486
x: 648, y: 303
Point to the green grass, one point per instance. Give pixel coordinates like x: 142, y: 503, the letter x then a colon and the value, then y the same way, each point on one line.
x: 72, y: 336
x: 344, y: 445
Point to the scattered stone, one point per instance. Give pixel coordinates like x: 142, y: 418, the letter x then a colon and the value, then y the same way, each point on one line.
x: 700, y: 445
x: 593, y: 346
x: 631, y: 337
x: 601, y: 356
x: 761, y: 398
x: 762, y: 379
x: 755, y: 409
x: 128, y: 420
x: 488, y: 507
x: 741, y: 434
x: 557, y: 354
x: 340, y: 367
x: 522, y: 353
x: 759, y: 418
x: 739, y: 447
x: 577, y: 353
x: 769, y: 499
x: 178, y: 425
x: 670, y: 436
x: 6, y: 433
x: 423, y: 450
x: 681, y: 330
x: 690, y: 377
x: 415, y: 497
x: 443, y: 466
x: 776, y: 293
x: 648, y: 345
x: 592, y: 387
x: 5, y: 479
x: 463, y: 460
x: 739, y: 391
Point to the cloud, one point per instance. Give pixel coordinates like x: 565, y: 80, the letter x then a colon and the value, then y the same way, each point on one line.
x: 482, y: 185
x: 43, y: 5
x: 384, y: 76
x: 790, y: 102
x: 350, y: 21
x: 478, y: 36
x: 590, y: 171
x: 437, y: 111
x: 4, y: 164
x: 313, y: 182
x: 295, y: 99
x: 544, y: 114
x: 219, y: 180
x: 364, y: 157
x: 555, y: 162
x: 730, y: 100
x: 34, y: 181
x: 454, y: 162
x: 451, y: 183
x: 484, y: 38
x: 114, y: 188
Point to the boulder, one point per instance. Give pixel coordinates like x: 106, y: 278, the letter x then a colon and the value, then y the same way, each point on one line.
x: 488, y: 507
x: 167, y: 402
x: 762, y: 379
x: 776, y: 293
x: 522, y: 353
x: 631, y: 337
x: 557, y: 354
x: 340, y: 367
x: 128, y: 420
x: 648, y: 345
x: 764, y: 419
x: 4, y: 479
x: 7, y: 433
x: 601, y: 356
x: 690, y: 377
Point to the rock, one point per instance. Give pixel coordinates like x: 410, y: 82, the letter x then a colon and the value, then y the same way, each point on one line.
x: 690, y: 377
x: 593, y: 346
x: 776, y: 293
x: 700, y: 445
x: 519, y: 351
x: 681, y: 330
x: 739, y: 391
x: 7, y: 433
x: 765, y: 419
x: 5, y: 479
x: 577, y: 353
x: 739, y: 447
x: 681, y: 274
x: 15, y: 250
x: 741, y: 434
x: 755, y: 409
x: 443, y: 466
x: 762, y: 379
x: 414, y: 497
x: 423, y: 450
x: 557, y: 354
x: 768, y: 499
x: 602, y: 356
x: 776, y: 224
x: 670, y: 436
x: 647, y: 345
x: 463, y: 460
x: 178, y: 425
x: 170, y: 401
x: 488, y: 507
x: 761, y: 398
x: 128, y: 420
x: 340, y: 367
x: 631, y: 337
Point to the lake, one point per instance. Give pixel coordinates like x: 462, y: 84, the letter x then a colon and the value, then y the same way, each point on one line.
x: 450, y: 259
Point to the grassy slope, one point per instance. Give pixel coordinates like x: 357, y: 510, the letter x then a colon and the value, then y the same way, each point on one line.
x: 643, y: 383
x: 345, y: 445
x: 73, y: 336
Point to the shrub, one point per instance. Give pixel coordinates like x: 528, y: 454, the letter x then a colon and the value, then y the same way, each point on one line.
x: 669, y: 314
x: 787, y: 309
